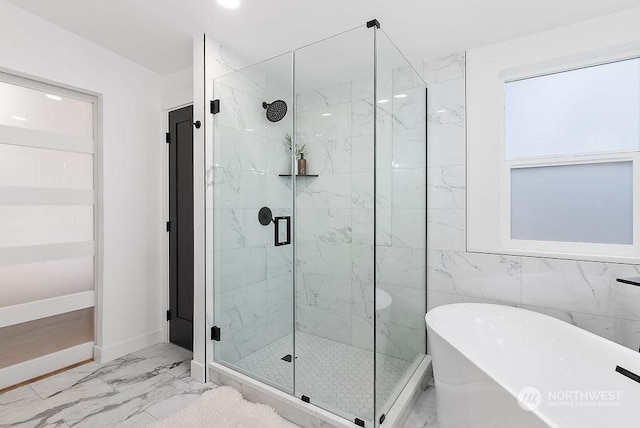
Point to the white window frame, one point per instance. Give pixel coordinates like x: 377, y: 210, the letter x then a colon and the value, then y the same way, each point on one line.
x: 561, y: 249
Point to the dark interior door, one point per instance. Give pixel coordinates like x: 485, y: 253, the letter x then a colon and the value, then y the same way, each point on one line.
x: 181, y: 227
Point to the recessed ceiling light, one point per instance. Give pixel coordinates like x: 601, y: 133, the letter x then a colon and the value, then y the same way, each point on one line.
x: 383, y: 101
x: 400, y: 95
x: 249, y: 129
x: 20, y: 118
x: 326, y: 114
x: 53, y: 97
x: 229, y: 4
x: 441, y: 110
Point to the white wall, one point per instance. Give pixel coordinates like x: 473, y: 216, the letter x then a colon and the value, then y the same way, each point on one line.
x: 177, y: 88
x: 130, y: 293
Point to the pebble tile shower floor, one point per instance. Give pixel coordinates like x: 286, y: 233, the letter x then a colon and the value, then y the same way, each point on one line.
x: 334, y: 375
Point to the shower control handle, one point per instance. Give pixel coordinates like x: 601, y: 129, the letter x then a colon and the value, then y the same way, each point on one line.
x: 276, y: 238
x: 265, y: 217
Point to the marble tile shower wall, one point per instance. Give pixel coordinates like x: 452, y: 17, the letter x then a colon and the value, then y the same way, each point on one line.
x: 582, y: 293
x: 335, y: 257
x: 253, y: 296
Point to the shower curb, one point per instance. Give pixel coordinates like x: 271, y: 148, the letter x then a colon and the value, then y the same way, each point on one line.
x: 308, y: 415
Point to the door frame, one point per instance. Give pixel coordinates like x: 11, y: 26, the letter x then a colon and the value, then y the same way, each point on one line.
x: 165, y: 204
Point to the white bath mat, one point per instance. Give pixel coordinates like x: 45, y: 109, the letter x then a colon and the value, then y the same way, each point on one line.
x: 223, y: 407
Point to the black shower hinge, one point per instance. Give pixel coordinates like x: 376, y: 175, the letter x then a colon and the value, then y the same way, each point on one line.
x: 215, y: 333
x: 373, y: 23
x: 169, y: 315
x: 382, y: 418
x: 359, y: 422
x: 215, y: 106
x: 168, y: 226
x: 167, y: 137
x: 305, y: 399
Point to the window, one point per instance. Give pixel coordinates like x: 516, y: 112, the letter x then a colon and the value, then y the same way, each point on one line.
x: 571, y: 142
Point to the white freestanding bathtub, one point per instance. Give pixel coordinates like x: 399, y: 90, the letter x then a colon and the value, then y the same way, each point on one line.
x: 499, y: 366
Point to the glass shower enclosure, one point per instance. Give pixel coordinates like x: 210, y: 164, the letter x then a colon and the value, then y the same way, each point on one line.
x: 319, y: 275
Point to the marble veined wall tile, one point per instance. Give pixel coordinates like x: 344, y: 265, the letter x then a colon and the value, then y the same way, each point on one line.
x: 446, y: 186
x: 328, y: 123
x: 323, y: 291
x: 362, y: 118
x: 446, y: 229
x: 279, y: 260
x: 409, y: 112
x: 437, y: 298
x: 247, y: 339
x: 241, y: 111
x: 238, y: 228
x: 362, y: 226
x: 332, y: 190
x: 239, y: 149
x: 279, y: 324
x: 586, y: 287
x: 401, y: 266
x: 409, y: 228
x: 324, y: 97
x: 323, y: 258
x: 249, y: 80
x: 409, y: 188
x: 363, y: 88
x: 362, y: 282
x: 446, y: 144
x: 362, y: 189
x: 477, y: 275
x: 324, y: 323
x: 405, y: 78
x: 410, y: 148
x: 446, y: 68
x: 622, y: 331
x: 237, y: 268
x: 400, y: 341
x: 239, y: 189
x: 328, y: 156
x: 362, y: 332
x: 330, y: 225
x: 446, y: 102
x: 240, y: 306
x: 280, y: 293
x: 408, y: 305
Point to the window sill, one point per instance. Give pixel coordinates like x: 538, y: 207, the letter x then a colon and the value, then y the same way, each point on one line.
x: 561, y: 256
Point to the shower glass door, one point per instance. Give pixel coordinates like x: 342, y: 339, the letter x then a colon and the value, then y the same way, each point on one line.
x: 249, y: 211
x: 334, y: 246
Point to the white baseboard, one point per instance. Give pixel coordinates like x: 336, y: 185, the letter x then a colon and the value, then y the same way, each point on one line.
x: 198, y: 371
x: 108, y: 353
x: 22, y: 372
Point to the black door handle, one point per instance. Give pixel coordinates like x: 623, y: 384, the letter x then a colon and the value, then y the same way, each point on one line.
x: 276, y: 238
x: 265, y: 218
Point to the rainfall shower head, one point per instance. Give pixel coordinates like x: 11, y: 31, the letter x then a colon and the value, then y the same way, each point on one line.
x: 276, y: 110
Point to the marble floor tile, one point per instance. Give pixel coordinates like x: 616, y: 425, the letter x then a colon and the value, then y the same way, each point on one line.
x: 16, y: 400
x: 127, y: 404
x: 55, y: 409
x: 423, y: 414
x: 176, y: 402
x: 53, y: 385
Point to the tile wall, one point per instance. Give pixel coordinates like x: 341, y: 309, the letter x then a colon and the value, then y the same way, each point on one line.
x: 582, y: 293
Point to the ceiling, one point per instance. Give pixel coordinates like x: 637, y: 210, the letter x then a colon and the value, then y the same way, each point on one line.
x: 158, y: 34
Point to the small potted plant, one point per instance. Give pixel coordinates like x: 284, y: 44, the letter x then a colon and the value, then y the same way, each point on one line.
x: 302, y: 162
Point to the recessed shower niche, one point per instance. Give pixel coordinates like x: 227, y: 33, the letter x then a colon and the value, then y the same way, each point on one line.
x: 335, y: 315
